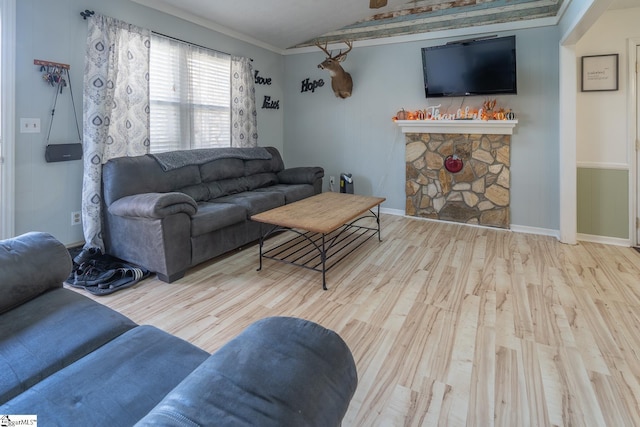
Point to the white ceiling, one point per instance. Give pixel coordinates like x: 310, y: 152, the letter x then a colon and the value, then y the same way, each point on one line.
x: 282, y: 24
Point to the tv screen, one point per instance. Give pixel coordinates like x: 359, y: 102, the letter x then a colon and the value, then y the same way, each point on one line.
x: 479, y: 67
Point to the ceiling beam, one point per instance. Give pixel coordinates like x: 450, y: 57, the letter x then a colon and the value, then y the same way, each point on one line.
x: 377, y: 4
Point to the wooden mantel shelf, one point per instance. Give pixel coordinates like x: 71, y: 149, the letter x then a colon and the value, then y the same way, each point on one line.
x: 483, y: 127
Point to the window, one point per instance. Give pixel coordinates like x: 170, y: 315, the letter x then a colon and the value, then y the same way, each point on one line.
x: 190, y: 96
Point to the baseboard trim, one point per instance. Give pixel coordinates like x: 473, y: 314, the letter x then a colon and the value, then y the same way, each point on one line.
x: 605, y: 240
x: 396, y: 212
x: 535, y: 230
x: 515, y: 228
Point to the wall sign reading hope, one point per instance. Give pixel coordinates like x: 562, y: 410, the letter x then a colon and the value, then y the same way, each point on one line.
x: 311, y: 86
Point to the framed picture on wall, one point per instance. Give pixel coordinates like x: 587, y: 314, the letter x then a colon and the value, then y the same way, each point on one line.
x: 600, y: 72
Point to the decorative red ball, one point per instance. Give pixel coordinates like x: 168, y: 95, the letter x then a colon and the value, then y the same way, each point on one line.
x: 453, y: 164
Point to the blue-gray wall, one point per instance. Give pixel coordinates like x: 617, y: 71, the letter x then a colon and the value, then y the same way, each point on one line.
x: 357, y: 134
x: 354, y: 135
x: 47, y: 193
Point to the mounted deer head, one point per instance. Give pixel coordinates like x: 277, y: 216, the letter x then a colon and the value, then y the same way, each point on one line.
x: 341, y: 82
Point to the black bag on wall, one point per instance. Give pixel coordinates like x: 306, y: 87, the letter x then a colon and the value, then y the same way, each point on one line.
x: 63, y: 152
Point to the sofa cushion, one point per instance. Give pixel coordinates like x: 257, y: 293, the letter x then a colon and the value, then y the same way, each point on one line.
x: 261, y: 180
x: 125, y: 176
x: 214, y: 216
x: 225, y: 187
x: 254, y: 201
x: 31, y: 264
x: 48, y: 333
x: 252, y: 167
x: 198, y: 192
x: 222, y: 169
x: 233, y: 186
x: 276, y: 159
x: 292, y: 193
x: 280, y: 371
x: 117, y: 384
x: 300, y: 175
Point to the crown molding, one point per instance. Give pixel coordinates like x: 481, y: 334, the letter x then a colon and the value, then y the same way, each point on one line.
x: 174, y: 11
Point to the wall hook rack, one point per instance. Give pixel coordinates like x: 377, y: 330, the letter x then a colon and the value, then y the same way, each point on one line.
x: 54, y: 73
x: 87, y: 13
x: 51, y: 64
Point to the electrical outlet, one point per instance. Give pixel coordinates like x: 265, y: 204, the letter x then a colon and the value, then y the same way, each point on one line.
x: 332, y: 180
x: 76, y: 218
x: 29, y: 125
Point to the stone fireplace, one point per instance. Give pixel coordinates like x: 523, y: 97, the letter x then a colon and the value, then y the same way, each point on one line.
x: 477, y: 191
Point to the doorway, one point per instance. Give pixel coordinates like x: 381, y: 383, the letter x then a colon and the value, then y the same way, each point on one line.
x: 634, y: 132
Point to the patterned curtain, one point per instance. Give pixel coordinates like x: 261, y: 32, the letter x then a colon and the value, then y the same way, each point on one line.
x: 116, y: 108
x: 244, y: 116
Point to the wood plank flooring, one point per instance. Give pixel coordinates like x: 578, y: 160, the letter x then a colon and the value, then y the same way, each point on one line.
x: 449, y: 325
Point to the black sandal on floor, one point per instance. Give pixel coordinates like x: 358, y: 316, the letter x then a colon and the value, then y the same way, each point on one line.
x: 86, y: 254
x: 88, y: 275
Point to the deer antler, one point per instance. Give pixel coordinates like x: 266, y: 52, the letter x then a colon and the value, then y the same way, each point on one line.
x: 324, y: 49
x: 340, y: 56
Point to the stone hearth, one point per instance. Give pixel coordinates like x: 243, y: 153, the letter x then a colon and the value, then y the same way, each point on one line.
x: 477, y: 194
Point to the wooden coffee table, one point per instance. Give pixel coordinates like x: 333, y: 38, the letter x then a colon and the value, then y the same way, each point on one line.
x: 328, y: 226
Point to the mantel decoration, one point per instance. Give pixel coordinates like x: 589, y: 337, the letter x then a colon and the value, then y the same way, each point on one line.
x: 488, y: 111
x: 600, y: 73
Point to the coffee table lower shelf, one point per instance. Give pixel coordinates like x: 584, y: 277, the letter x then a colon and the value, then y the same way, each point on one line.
x: 318, y: 251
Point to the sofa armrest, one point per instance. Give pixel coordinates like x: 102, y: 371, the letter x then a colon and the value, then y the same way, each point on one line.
x: 154, y: 205
x: 280, y: 371
x: 300, y: 175
x: 31, y: 264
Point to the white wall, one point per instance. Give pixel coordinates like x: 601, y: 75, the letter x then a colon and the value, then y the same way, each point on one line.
x: 46, y: 193
x: 602, y: 131
x: 357, y: 135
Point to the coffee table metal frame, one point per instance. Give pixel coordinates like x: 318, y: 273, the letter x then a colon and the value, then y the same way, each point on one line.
x: 314, y: 251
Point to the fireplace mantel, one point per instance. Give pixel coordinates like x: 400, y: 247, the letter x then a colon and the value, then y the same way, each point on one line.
x: 483, y: 127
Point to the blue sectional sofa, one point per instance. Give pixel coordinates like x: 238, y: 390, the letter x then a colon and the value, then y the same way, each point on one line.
x: 71, y: 361
x: 170, y: 211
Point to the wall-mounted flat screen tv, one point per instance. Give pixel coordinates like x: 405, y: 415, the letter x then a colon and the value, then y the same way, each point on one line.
x: 477, y: 67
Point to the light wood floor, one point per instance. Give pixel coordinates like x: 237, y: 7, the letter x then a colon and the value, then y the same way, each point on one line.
x: 449, y: 325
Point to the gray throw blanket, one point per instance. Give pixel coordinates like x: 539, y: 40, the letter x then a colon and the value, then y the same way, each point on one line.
x: 176, y: 159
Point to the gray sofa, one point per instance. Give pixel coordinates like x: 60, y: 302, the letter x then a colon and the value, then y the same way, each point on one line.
x: 167, y: 215
x: 72, y: 361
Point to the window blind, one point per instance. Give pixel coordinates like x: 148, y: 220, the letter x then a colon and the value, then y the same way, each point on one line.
x: 190, y: 96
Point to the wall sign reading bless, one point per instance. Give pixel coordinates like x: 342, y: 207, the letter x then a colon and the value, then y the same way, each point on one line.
x: 269, y: 104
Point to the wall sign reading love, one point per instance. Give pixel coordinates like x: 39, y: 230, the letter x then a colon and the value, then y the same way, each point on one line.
x: 259, y: 80
x: 267, y: 103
